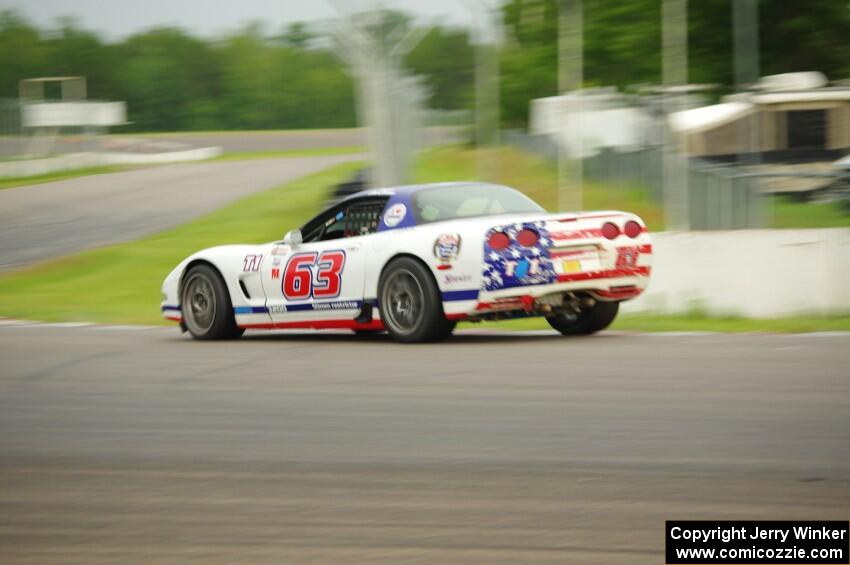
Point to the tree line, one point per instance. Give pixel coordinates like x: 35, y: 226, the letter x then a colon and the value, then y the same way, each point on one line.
x: 254, y: 78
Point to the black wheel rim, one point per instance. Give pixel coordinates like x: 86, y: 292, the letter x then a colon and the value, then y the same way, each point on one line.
x: 198, y: 304
x: 403, y: 300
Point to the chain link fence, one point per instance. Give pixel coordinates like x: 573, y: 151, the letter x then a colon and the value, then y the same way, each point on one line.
x: 718, y: 198
x: 11, y: 141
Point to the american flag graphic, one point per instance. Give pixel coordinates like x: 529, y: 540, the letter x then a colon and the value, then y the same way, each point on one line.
x: 517, y: 265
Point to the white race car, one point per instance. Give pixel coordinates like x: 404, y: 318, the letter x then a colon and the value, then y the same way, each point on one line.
x: 413, y: 260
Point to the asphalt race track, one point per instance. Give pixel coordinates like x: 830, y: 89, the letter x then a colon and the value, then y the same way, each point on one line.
x: 140, y: 445
x: 46, y: 220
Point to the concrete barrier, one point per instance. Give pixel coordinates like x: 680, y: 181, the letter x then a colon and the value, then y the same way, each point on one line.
x: 749, y: 273
x: 199, y: 154
x: 71, y: 161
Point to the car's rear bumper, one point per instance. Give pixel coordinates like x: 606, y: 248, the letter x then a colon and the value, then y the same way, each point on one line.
x: 607, y: 285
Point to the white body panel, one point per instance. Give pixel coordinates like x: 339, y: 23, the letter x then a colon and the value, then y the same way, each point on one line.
x: 574, y: 254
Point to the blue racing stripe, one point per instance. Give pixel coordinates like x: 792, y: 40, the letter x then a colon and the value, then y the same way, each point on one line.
x: 452, y: 295
x: 250, y: 310
x: 168, y: 307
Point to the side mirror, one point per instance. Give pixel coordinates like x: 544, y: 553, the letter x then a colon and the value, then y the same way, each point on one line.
x: 293, y: 237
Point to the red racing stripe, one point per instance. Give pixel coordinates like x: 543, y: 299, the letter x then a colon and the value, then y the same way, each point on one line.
x: 587, y: 233
x: 317, y: 325
x: 598, y: 216
x: 455, y: 316
x: 618, y: 293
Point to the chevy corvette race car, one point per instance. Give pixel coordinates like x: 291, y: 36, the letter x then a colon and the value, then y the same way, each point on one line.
x: 413, y: 260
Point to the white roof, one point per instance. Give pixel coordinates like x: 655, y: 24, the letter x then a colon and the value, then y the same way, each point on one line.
x: 793, y: 81
x: 708, y: 117
x: 843, y: 163
x: 819, y: 95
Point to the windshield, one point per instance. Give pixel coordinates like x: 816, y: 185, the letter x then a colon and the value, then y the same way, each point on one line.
x: 466, y: 201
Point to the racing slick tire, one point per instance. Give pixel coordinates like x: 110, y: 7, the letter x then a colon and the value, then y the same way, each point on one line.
x: 411, y: 308
x: 589, y: 321
x: 205, y: 304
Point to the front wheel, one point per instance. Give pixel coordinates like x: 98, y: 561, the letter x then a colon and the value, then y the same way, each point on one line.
x: 410, y: 304
x: 588, y: 321
x: 206, y: 307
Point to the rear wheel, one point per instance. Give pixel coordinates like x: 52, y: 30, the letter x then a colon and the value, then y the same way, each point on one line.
x: 410, y: 304
x: 588, y: 321
x: 206, y: 307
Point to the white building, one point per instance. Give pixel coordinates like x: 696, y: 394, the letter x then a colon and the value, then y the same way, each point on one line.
x: 587, y: 121
x: 794, y: 112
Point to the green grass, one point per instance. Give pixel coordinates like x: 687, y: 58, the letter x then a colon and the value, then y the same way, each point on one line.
x: 696, y: 322
x: 58, y: 175
x: 120, y: 283
x: 785, y: 213
x: 305, y: 131
x: 314, y: 152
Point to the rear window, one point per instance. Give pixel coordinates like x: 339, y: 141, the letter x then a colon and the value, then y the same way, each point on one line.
x: 466, y: 201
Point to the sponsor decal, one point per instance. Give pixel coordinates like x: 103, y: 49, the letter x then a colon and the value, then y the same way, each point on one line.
x: 341, y: 305
x: 447, y: 247
x: 522, y: 268
x: 457, y: 279
x: 276, y: 273
x: 395, y: 215
x: 316, y: 306
x: 252, y: 263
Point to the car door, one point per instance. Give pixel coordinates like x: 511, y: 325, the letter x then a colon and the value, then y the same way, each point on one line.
x: 322, y: 279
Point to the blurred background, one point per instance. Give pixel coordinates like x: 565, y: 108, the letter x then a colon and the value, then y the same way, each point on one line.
x: 716, y: 115
x: 133, y: 134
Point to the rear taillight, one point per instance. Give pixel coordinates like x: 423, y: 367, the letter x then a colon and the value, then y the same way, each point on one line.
x: 527, y: 238
x: 632, y: 229
x: 498, y: 241
x: 610, y: 230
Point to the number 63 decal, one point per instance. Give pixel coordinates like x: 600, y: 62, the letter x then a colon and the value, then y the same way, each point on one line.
x: 314, y: 275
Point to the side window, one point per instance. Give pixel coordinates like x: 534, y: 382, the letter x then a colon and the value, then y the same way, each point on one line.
x: 360, y: 217
x: 325, y: 226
